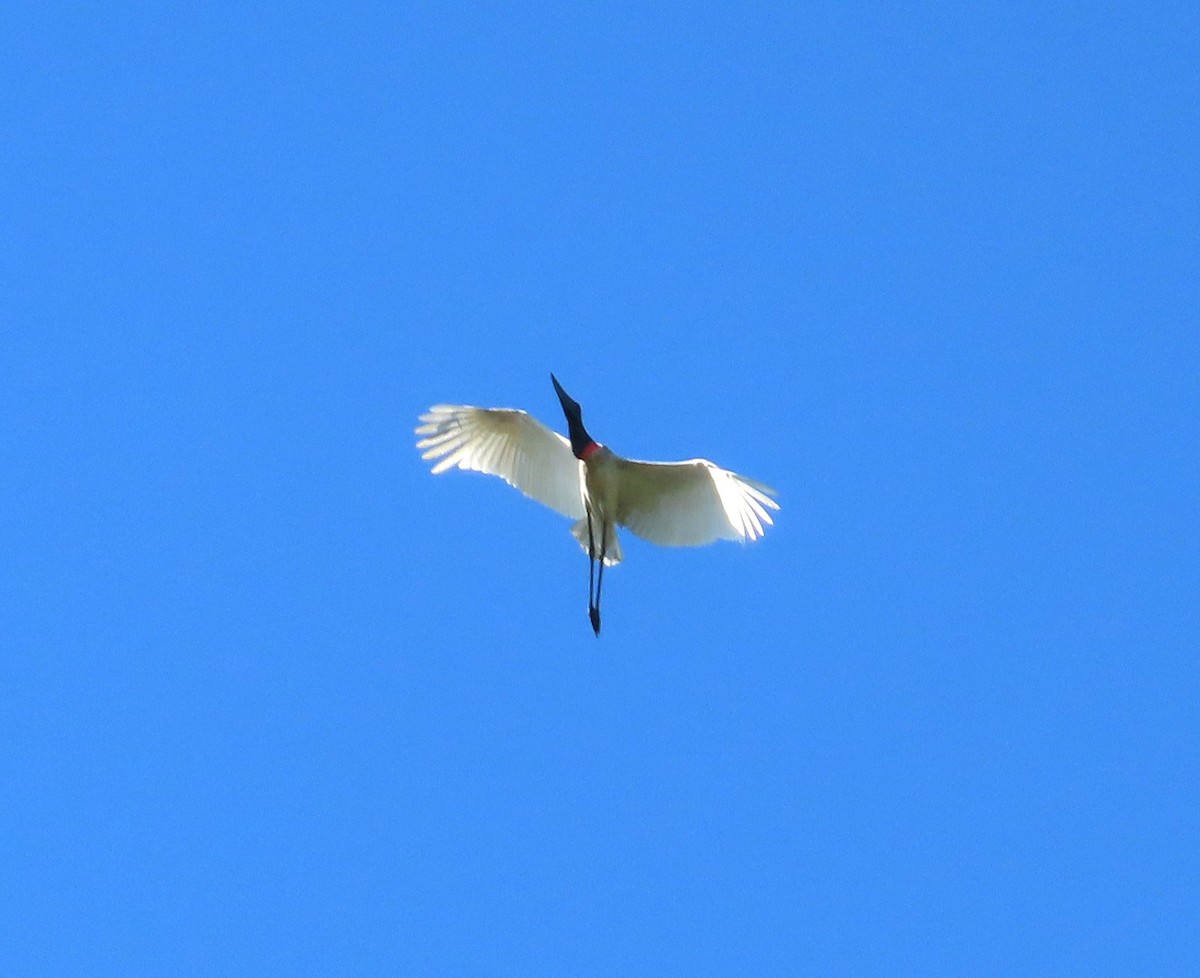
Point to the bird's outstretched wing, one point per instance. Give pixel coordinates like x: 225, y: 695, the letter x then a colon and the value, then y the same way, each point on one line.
x: 508, y: 443
x: 687, y: 504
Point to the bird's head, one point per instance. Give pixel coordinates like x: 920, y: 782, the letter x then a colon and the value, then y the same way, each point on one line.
x: 582, y: 443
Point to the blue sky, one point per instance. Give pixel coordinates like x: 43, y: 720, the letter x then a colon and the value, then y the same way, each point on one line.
x: 277, y: 701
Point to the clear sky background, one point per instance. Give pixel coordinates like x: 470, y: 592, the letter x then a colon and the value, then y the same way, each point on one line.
x: 274, y: 700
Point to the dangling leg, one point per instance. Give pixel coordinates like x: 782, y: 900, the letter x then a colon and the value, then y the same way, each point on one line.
x: 591, y: 567
x: 595, y: 611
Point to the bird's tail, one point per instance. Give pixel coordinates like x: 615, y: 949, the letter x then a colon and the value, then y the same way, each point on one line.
x: 612, y: 543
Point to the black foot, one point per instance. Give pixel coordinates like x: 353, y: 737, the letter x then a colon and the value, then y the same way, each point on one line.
x: 594, y: 614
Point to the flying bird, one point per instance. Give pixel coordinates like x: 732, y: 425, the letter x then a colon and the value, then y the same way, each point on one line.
x: 674, y: 504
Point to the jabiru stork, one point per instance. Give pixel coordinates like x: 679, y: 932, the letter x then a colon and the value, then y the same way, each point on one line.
x: 674, y: 504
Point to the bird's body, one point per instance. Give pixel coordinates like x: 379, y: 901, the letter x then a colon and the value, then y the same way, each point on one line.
x: 602, y: 478
x: 669, y: 503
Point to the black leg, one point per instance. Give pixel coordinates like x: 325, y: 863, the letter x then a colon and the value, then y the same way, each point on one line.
x: 591, y: 568
x: 595, y: 613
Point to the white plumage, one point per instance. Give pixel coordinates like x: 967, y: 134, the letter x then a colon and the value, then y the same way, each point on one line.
x: 675, y: 504
x: 508, y: 443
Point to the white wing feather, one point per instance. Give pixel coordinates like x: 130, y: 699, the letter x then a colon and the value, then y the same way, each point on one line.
x: 688, y: 504
x: 500, y: 441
